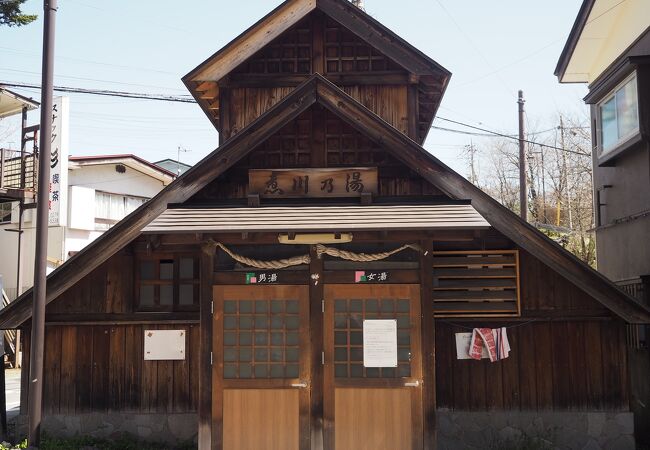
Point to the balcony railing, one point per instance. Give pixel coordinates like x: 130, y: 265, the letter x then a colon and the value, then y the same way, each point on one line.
x: 18, y: 172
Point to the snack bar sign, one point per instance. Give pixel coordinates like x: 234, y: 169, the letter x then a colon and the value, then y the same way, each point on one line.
x: 58, y: 185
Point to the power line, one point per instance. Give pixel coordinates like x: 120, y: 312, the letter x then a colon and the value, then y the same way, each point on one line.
x: 188, y: 99
x: 511, y: 137
x: 108, y: 93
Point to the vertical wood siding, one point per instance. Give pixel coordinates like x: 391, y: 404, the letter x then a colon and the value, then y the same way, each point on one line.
x: 569, y: 365
x: 101, y: 368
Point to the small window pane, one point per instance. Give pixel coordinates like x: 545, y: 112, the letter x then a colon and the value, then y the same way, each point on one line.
x: 230, y: 354
x: 340, y: 306
x: 261, y: 306
x: 276, y: 339
x: 245, y: 322
x: 229, y: 371
x: 356, y: 370
x: 356, y: 338
x: 186, y: 294
x: 186, y: 269
x: 245, y: 371
x: 167, y: 269
x: 341, y: 370
x: 608, y: 123
x: 229, y: 338
x: 292, y: 338
x: 340, y: 354
x: 245, y: 306
x: 277, y: 371
x: 261, y: 370
x: 147, y: 271
x: 627, y: 109
x: 262, y: 354
x: 277, y: 306
x: 291, y: 354
x: 230, y: 322
x: 292, y: 306
x: 261, y: 322
x: 167, y: 295
x: 292, y: 371
x: 261, y: 338
x: 292, y: 322
x: 230, y: 306
x: 146, y: 295
x: 245, y: 354
x: 245, y: 338
x: 276, y: 355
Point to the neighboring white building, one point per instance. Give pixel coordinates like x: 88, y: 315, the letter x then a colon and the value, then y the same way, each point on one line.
x: 101, y: 191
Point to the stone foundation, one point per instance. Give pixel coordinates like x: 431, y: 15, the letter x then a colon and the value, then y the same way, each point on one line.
x: 496, y: 430
x: 162, y: 428
x: 535, y: 430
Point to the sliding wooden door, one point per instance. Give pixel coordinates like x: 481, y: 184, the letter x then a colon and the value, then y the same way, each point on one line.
x: 261, y: 367
x: 369, y: 407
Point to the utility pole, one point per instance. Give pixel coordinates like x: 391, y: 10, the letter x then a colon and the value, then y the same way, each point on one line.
x: 523, y: 195
x: 566, y: 174
x: 35, y: 402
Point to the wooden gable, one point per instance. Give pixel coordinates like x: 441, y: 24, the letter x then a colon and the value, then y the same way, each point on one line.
x: 329, y: 37
x: 319, y: 90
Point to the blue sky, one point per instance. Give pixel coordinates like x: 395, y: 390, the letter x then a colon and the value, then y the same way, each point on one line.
x: 492, y: 48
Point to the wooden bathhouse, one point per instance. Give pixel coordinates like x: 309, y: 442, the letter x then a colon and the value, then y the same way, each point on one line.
x: 316, y: 281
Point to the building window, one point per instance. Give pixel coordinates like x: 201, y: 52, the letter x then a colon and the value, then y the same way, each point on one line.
x: 110, y: 208
x: 619, y: 115
x: 5, y: 212
x: 167, y: 282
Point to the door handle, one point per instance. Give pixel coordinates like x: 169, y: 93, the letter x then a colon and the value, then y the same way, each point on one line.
x: 299, y: 385
x: 415, y: 383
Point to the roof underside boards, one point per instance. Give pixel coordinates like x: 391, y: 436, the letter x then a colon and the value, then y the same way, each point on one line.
x: 602, y: 31
x: 324, y: 218
x: 205, y: 81
x: 12, y: 103
x: 318, y: 89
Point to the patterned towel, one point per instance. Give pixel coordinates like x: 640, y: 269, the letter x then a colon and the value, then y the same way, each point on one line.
x: 494, y: 340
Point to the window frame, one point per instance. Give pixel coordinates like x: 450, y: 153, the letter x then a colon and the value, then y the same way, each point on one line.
x: 175, y: 282
x: 630, y: 138
x: 3, y: 212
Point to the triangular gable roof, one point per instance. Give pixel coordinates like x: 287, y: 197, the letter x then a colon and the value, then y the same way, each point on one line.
x: 202, y: 81
x: 318, y: 89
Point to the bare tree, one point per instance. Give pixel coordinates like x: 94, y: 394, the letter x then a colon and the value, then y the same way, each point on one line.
x: 560, y: 196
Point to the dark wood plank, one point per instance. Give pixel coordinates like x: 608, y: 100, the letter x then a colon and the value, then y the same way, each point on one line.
x: 133, y: 358
x: 577, y: 365
x: 594, y: 365
x: 25, y: 334
x: 317, y: 347
x: 510, y: 368
x: 52, y: 371
x: 614, y: 365
x: 69, y: 343
x: 101, y: 358
x: 428, y: 345
x: 445, y: 354
x: 527, y: 370
x: 84, y: 369
x: 544, y: 365
x: 181, y: 377
x: 562, y: 390
x: 195, y: 359
x: 205, y: 353
x: 116, y: 368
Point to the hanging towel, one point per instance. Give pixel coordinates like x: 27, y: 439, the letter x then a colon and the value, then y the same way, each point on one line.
x: 495, y: 341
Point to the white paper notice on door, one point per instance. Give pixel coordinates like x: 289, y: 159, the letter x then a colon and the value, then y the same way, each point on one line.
x: 380, y: 343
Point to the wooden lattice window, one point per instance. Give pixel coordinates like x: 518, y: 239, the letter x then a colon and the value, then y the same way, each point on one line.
x: 261, y: 338
x: 288, y: 147
x: 167, y: 282
x: 476, y: 283
x: 346, y: 146
x: 346, y: 53
x: 349, y: 315
x: 288, y: 54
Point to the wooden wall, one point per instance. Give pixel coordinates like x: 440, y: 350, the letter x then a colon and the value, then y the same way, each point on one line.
x: 568, y: 353
x: 553, y: 365
x: 101, y: 368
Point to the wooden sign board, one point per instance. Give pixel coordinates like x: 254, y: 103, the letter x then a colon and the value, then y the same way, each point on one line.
x: 306, y: 183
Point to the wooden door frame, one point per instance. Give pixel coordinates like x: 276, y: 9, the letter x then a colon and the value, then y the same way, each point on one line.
x: 218, y: 383
x: 417, y: 397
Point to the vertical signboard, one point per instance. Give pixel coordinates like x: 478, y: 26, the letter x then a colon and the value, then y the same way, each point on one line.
x: 58, y: 185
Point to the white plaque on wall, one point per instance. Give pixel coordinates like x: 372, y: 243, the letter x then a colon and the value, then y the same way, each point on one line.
x: 164, y: 345
x: 380, y: 343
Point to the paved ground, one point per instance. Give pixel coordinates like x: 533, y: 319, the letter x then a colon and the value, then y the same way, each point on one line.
x: 12, y: 383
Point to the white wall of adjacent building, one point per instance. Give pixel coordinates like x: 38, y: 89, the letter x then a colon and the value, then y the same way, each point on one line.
x: 98, y: 196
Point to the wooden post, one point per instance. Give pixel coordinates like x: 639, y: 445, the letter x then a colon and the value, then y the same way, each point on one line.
x: 316, y: 329
x: 205, y: 349
x: 428, y: 345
